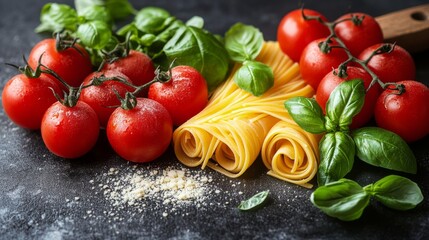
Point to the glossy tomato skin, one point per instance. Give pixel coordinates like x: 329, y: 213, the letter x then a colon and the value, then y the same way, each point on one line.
x: 330, y: 81
x: 70, y: 132
x: 25, y: 99
x: 102, y: 98
x: 137, y: 66
x: 358, y: 37
x: 184, y: 95
x: 294, y: 32
x: 407, y: 114
x: 315, y: 64
x: 141, y: 134
x: 395, y: 66
x: 70, y: 64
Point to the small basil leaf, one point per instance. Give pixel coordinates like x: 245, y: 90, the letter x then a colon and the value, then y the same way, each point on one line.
x: 200, y: 49
x: 56, y: 17
x: 382, y: 148
x: 337, y: 152
x: 343, y: 199
x: 254, y: 77
x: 243, y: 42
x: 94, y: 34
x: 195, y: 21
x: 253, y: 202
x: 307, y: 113
x: 152, y: 20
x: 93, y: 13
x: 396, y: 192
x: 119, y: 9
x: 81, y: 5
x: 344, y: 103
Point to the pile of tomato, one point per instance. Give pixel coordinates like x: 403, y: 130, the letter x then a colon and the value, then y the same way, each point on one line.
x: 397, y: 101
x: 61, y: 93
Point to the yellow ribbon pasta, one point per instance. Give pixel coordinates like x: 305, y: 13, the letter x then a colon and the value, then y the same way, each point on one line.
x: 229, y: 133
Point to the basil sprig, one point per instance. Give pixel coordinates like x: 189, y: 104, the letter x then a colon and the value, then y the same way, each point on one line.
x: 346, y: 200
x: 243, y: 44
x: 339, y: 146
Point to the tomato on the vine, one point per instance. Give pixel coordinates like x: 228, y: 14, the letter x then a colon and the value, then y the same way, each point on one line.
x: 137, y: 66
x: 405, y: 113
x: 72, y: 64
x: 184, y: 95
x: 70, y: 132
x: 102, y: 96
x: 360, y: 34
x: 140, y: 134
x: 331, y: 80
x: 25, y: 99
x: 294, y: 32
x: 393, y: 66
x: 314, y: 64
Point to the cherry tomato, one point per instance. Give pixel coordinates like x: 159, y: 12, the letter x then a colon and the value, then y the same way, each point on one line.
x: 26, y: 99
x: 70, y: 132
x: 294, y: 32
x: 406, y: 114
x: 72, y: 64
x: 315, y: 64
x: 330, y: 81
x: 102, y: 98
x: 142, y: 133
x: 395, y: 66
x: 358, y: 37
x: 137, y: 66
x: 184, y: 95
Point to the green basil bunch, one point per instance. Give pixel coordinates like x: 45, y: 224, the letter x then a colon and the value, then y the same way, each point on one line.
x: 244, y: 43
x: 346, y: 200
x: 339, y: 146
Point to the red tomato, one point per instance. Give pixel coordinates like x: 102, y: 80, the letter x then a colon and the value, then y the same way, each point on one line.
x: 25, y: 99
x: 358, y: 37
x: 137, y: 66
x: 184, y: 95
x: 71, y: 65
x: 102, y: 98
x: 141, y: 134
x: 330, y: 81
x: 406, y: 114
x: 70, y: 132
x: 294, y: 32
x: 395, y: 66
x: 315, y: 64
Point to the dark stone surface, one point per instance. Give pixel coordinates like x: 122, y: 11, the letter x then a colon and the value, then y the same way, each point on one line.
x: 45, y: 197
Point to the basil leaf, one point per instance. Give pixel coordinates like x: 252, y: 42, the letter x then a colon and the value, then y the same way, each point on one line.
x: 81, y: 5
x: 94, y: 34
x: 56, y: 17
x: 195, y: 21
x: 382, y: 148
x: 337, y: 152
x: 254, y: 77
x: 344, y: 103
x: 243, y: 42
x: 343, y: 199
x: 253, y: 202
x: 96, y: 12
x: 119, y: 9
x: 198, y: 48
x: 152, y: 20
x: 396, y: 192
x: 307, y: 113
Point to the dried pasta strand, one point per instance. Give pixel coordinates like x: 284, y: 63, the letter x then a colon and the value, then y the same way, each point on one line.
x: 228, y: 135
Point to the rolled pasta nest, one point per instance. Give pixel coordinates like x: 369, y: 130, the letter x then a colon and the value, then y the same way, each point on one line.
x: 237, y: 127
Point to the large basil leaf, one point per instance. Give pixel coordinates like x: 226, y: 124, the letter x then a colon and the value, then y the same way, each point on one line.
x: 385, y: 149
x: 307, y: 113
x: 119, y: 9
x: 56, y: 17
x: 152, y: 20
x: 243, y: 42
x: 94, y: 34
x: 254, y: 77
x: 96, y: 12
x: 198, y: 48
x: 343, y: 199
x: 344, y: 103
x: 337, y: 152
x: 396, y: 192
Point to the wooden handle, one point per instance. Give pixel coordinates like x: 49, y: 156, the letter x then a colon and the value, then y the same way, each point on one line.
x: 409, y: 28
